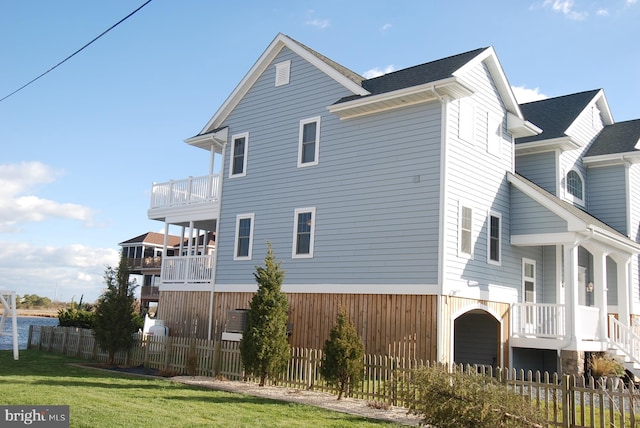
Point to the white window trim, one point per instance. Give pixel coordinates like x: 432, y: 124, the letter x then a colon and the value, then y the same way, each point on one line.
x: 283, y: 73
x: 525, y: 278
x: 462, y: 205
x: 568, y: 195
x: 303, y: 122
x: 495, y: 123
x: 296, y: 212
x: 235, y: 245
x: 244, y: 135
x: 499, y: 217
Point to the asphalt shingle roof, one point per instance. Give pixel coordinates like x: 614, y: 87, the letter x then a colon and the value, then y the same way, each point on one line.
x: 554, y: 115
x: 620, y: 137
x: 416, y: 75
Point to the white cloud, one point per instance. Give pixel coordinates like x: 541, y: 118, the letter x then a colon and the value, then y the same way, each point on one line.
x: 525, y: 95
x: 316, y: 22
x: 602, y: 12
x: 18, y: 206
x: 630, y: 2
x: 386, y: 27
x: 565, y: 7
x: 55, y: 272
x: 376, y: 72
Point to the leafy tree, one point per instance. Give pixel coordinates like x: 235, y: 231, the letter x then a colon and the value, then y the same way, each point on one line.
x: 115, y: 320
x: 343, y: 361
x: 264, y: 347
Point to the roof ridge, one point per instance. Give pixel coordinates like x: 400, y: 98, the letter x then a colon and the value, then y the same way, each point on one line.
x: 594, y: 91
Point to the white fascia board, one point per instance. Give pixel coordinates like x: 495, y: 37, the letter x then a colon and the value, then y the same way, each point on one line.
x: 342, y: 109
x: 612, y: 159
x: 618, y: 242
x: 490, y: 58
x: 518, y: 127
x: 408, y: 289
x: 261, y: 65
x: 563, y: 143
x: 599, y: 100
x: 540, y: 239
x: 574, y: 224
x: 205, y: 141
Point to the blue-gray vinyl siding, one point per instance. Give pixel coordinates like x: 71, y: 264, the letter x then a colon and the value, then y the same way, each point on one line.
x: 375, y: 188
x: 529, y: 217
x: 634, y: 233
x: 539, y: 168
x: 607, y: 196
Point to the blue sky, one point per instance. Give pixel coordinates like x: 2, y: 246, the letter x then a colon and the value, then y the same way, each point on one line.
x: 80, y: 147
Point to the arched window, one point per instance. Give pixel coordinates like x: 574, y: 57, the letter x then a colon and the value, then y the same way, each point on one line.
x: 575, y: 186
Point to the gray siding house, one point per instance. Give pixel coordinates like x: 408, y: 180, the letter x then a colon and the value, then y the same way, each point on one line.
x: 451, y: 223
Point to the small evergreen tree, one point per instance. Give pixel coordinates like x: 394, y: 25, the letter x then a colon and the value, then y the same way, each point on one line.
x: 343, y: 362
x: 115, y: 320
x: 264, y: 347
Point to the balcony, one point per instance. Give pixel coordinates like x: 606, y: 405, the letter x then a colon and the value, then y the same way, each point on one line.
x: 190, y: 193
x: 187, y: 270
x: 144, y: 263
x: 149, y: 292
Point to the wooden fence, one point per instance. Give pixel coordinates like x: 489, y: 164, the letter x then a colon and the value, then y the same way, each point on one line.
x: 567, y: 401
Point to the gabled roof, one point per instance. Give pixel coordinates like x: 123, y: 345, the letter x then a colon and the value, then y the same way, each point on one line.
x: 152, y: 238
x: 344, y: 76
x: 621, y: 137
x: 556, y: 115
x: 577, y: 219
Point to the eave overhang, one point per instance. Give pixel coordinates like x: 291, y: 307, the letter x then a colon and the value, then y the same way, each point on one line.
x: 413, y: 95
x: 612, y: 159
x: 518, y: 127
x: 217, y: 139
x: 562, y: 143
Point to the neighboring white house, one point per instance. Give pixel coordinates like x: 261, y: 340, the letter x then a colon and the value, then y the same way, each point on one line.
x: 451, y: 223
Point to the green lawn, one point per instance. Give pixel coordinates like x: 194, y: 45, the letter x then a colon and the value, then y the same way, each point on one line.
x: 99, y: 398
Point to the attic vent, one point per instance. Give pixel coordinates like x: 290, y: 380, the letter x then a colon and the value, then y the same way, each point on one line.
x: 282, y: 73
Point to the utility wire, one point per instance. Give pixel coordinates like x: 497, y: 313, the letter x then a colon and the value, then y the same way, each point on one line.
x: 78, y: 51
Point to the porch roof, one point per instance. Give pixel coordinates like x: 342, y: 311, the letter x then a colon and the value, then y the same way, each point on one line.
x: 579, y: 223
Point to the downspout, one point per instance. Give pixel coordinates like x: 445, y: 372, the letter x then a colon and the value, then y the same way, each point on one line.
x: 440, y: 340
x: 217, y: 240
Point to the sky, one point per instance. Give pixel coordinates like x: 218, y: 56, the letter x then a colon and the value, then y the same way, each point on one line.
x: 81, y: 146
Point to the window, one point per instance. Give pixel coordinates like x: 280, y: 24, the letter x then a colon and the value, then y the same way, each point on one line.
x: 575, y: 186
x: 528, y: 281
x: 494, y: 134
x: 244, y: 237
x: 494, y: 238
x: 466, y: 120
x: 282, y: 73
x: 238, y: 155
x: 466, y: 231
x: 303, y: 232
x: 309, y: 142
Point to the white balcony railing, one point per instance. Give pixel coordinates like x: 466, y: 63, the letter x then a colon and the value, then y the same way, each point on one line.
x: 187, y: 269
x: 183, y: 192
x: 544, y: 320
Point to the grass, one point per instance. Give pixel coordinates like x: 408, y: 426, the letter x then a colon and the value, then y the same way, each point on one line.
x: 100, y: 398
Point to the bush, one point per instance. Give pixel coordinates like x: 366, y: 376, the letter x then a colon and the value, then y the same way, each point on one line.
x: 75, y: 318
x: 454, y: 399
x: 343, y: 363
x: 602, y: 365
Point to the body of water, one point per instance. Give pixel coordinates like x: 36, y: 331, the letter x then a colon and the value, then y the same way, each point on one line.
x: 6, y: 341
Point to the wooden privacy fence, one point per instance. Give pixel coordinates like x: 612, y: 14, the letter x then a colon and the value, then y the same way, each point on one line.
x: 567, y: 401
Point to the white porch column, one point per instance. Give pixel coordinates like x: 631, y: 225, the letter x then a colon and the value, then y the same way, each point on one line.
x: 571, y: 291
x: 190, y: 242
x: 600, y: 290
x: 623, y: 277
x: 165, y: 241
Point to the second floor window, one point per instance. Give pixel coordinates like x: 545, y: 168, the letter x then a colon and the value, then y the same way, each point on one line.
x: 244, y: 237
x: 494, y: 239
x: 238, y: 160
x: 309, y: 142
x: 575, y: 186
x: 466, y: 230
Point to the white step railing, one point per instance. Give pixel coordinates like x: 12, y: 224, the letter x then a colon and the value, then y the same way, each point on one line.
x: 545, y: 320
x: 187, y: 269
x: 188, y: 191
x: 624, y: 339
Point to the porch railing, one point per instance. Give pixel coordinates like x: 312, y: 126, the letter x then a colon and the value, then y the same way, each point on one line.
x: 183, y: 192
x: 187, y: 269
x: 624, y: 339
x: 545, y: 320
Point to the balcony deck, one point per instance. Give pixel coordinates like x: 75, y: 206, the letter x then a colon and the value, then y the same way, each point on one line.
x: 188, y: 194
x: 187, y: 270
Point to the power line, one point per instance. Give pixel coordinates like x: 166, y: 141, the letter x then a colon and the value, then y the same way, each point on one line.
x: 76, y: 52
